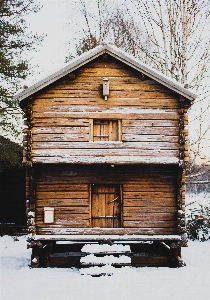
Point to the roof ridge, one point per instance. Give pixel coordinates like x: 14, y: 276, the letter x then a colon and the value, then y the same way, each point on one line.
x: 119, y: 54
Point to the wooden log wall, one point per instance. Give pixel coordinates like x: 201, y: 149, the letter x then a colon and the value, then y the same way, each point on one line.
x: 148, y: 192
x: 62, y: 118
x: 181, y: 181
x: 30, y: 187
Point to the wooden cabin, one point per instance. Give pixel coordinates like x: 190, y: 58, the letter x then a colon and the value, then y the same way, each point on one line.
x: 105, y: 151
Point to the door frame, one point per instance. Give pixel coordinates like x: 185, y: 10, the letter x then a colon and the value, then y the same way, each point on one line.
x: 121, y: 202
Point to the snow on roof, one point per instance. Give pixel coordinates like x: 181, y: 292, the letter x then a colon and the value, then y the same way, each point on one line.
x: 114, y: 52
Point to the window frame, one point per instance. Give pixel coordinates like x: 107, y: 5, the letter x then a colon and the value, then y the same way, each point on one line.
x: 91, y: 133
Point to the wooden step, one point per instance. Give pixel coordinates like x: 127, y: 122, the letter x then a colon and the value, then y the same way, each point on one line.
x: 149, y: 260
x: 106, y: 249
x: 92, y: 260
x: 96, y: 271
x: 65, y: 259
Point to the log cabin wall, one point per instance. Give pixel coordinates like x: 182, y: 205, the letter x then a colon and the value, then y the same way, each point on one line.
x: 148, y: 197
x: 142, y: 123
x: 65, y: 116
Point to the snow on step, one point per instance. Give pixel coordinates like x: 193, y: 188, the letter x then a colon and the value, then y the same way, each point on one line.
x: 99, y: 271
x: 91, y: 259
x: 105, y: 248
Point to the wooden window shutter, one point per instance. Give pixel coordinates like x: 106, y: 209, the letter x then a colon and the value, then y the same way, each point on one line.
x: 105, y: 130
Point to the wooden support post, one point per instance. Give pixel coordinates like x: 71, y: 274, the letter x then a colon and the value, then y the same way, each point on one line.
x: 183, y: 158
x: 40, y: 252
x: 175, y: 259
x: 36, y: 256
x: 30, y: 190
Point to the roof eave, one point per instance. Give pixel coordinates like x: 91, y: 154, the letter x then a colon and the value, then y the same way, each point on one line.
x: 73, y: 65
x: 115, y: 52
x: 154, y: 74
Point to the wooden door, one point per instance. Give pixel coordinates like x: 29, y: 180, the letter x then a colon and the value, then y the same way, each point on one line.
x: 106, y: 206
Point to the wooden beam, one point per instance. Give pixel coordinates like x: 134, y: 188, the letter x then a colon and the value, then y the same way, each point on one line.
x: 79, y: 237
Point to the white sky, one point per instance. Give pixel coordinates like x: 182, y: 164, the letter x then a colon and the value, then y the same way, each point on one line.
x: 50, y: 22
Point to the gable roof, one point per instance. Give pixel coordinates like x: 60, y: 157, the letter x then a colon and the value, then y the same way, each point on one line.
x: 114, y: 52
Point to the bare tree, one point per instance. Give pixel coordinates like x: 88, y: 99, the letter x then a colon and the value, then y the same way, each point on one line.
x: 105, y: 21
x: 179, y: 34
x: 172, y: 36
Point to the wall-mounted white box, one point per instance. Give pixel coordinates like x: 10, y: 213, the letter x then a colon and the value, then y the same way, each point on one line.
x: 48, y: 215
x: 105, y: 88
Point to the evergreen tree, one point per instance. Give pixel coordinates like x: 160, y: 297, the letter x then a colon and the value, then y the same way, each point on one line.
x: 10, y: 154
x: 15, y: 41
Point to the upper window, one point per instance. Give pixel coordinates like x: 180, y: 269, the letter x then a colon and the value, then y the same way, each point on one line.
x: 106, y: 130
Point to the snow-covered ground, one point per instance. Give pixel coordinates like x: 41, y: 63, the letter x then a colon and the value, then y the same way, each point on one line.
x: 19, y: 282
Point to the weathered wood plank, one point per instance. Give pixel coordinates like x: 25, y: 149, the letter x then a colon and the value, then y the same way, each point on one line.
x: 61, y: 195
x: 119, y: 160
x: 160, y: 184
x: 149, y: 194
x: 95, y: 87
x: 62, y: 202
x: 86, y: 96
x: 147, y: 201
x: 94, y: 104
x: 142, y: 185
x: 125, y: 138
x: 50, y: 187
x: 114, y: 113
x: 150, y: 138
x: 72, y: 137
x: 65, y: 210
x: 71, y: 223
x: 150, y: 123
x: 61, y: 130
x: 66, y: 218
x: 149, y: 216
x: 75, y: 174
x: 106, y: 145
x: 98, y: 232
x: 103, y: 72
x: 116, y: 84
x: 150, y: 224
x: 103, y: 152
x: 140, y: 130
x: 129, y: 210
x: 48, y: 122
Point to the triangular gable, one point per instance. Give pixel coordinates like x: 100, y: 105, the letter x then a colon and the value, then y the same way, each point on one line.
x: 114, y: 52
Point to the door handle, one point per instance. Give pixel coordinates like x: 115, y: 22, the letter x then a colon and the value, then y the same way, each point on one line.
x: 115, y: 199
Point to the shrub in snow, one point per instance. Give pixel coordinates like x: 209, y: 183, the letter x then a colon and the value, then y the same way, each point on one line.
x: 198, y: 225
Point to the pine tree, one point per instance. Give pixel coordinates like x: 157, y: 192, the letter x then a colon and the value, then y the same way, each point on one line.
x: 15, y: 41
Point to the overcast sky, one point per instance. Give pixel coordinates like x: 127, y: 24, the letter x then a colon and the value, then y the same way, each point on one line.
x: 51, y: 22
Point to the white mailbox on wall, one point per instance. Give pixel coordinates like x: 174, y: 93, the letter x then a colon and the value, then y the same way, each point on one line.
x: 48, y: 214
